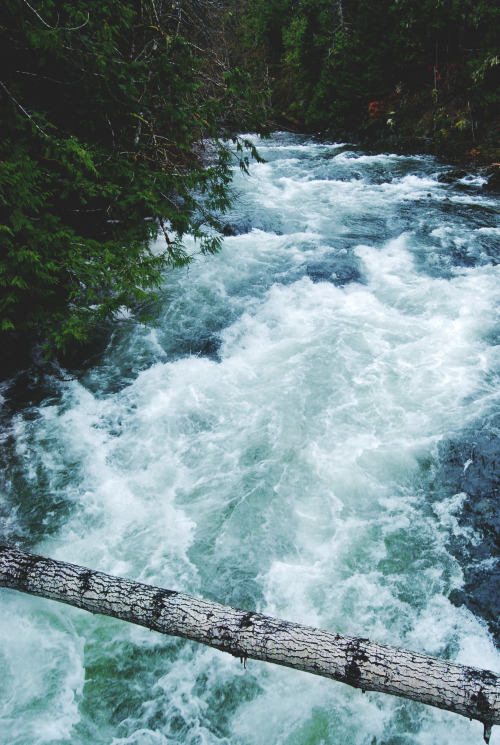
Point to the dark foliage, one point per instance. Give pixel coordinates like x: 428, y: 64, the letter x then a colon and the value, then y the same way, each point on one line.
x: 107, y: 111
x: 422, y: 71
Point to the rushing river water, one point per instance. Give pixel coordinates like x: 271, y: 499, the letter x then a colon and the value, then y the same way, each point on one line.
x: 310, y: 430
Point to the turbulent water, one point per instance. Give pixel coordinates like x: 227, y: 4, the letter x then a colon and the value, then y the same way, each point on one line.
x: 310, y: 430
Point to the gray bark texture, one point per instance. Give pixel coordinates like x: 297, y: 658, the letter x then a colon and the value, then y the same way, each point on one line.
x: 468, y: 691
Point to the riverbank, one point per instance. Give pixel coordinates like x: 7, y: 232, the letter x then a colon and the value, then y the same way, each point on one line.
x: 445, y: 126
x: 425, y: 122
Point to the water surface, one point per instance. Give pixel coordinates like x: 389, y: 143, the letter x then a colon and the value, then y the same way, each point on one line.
x: 310, y: 430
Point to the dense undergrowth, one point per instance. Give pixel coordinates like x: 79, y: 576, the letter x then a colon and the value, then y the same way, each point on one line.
x: 422, y: 76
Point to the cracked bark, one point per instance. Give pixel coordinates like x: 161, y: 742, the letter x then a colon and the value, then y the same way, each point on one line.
x: 468, y: 691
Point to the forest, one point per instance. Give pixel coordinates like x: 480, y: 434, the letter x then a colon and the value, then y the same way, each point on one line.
x: 121, y: 122
x: 419, y: 73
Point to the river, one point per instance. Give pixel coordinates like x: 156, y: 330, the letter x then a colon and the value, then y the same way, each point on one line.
x: 310, y: 430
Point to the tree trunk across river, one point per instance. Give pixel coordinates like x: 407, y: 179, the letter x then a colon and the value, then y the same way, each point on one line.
x: 247, y: 635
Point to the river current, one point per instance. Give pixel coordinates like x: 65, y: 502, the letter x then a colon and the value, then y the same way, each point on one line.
x: 310, y: 430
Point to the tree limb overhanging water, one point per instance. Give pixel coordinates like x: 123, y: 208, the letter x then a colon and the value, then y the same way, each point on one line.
x: 360, y: 663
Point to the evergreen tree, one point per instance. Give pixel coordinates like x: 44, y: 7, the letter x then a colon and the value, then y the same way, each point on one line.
x: 106, y: 109
x: 345, y: 64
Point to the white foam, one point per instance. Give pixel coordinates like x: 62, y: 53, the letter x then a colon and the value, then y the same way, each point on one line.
x: 40, y: 705
x: 286, y: 475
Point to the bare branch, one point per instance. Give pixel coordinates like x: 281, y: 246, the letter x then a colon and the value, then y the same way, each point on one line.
x: 23, y: 109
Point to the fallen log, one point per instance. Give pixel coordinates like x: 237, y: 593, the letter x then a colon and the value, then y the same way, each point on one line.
x: 468, y: 691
